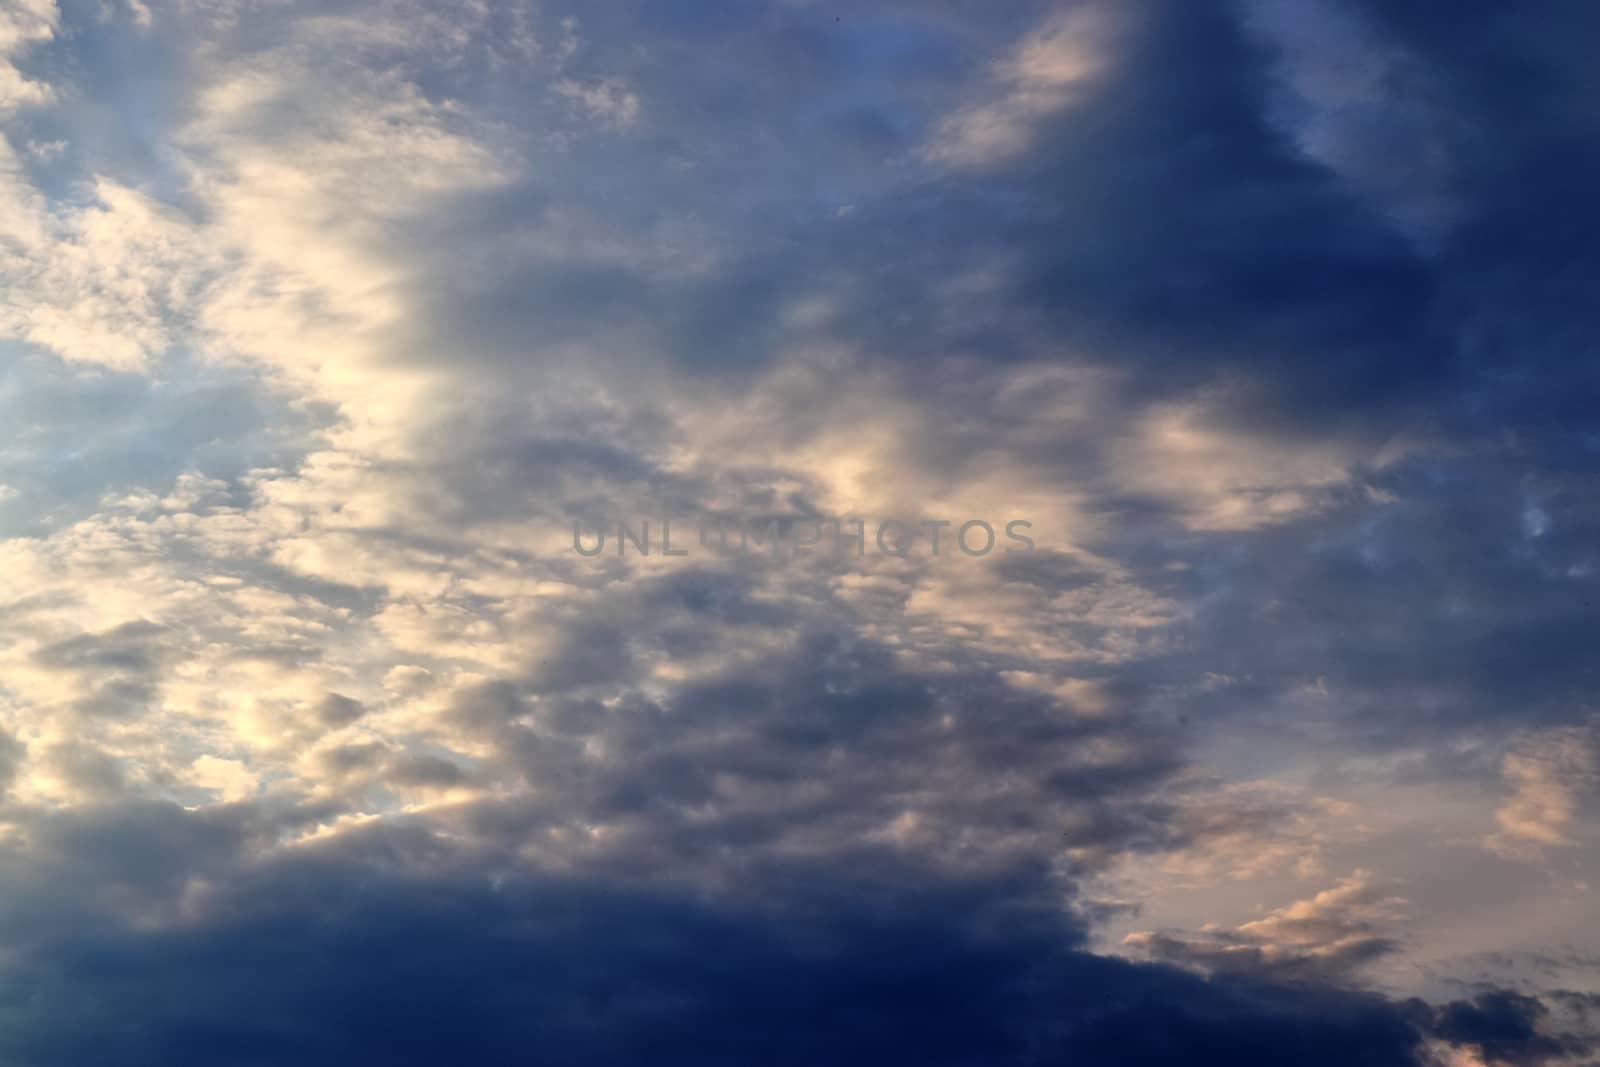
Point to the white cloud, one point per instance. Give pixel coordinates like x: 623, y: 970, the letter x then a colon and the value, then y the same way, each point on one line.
x: 230, y: 779
x: 107, y: 283
x: 1043, y: 75
x: 1550, y: 776
x: 23, y: 23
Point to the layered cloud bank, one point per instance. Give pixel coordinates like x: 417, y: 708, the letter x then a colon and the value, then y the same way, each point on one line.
x: 323, y: 323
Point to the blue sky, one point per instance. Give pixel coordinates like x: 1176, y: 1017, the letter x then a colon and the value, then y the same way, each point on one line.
x: 321, y: 323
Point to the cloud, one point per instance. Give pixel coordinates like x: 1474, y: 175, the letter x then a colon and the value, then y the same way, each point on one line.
x: 1041, y: 77
x: 101, y: 284
x: 12, y: 753
x: 23, y: 25
x: 1550, y: 777
x: 324, y: 322
x: 230, y: 780
x: 1507, y: 1027
x: 1222, y: 479
x: 1326, y: 938
x: 608, y: 101
x: 484, y: 960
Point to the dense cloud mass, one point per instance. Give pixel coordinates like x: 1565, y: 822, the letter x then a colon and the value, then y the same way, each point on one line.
x: 323, y: 324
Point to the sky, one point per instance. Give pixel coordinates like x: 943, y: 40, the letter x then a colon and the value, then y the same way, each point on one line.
x: 1158, y: 444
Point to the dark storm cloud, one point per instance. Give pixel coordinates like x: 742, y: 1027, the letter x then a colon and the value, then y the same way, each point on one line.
x: 1506, y: 1027
x: 1458, y: 603
x: 818, y: 739
x: 308, y: 957
x: 1511, y: 101
x: 1165, y: 223
x: 1458, y: 610
x: 1162, y: 222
